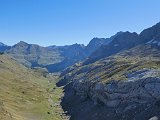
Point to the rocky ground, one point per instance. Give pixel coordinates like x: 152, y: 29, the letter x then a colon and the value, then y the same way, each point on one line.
x: 125, y: 86
x: 135, y: 99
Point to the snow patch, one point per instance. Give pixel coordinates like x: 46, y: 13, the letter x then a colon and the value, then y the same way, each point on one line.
x: 149, y: 42
x: 153, y: 42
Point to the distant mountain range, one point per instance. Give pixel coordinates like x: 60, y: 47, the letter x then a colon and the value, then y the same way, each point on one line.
x: 110, y: 78
x: 54, y: 58
x: 57, y: 58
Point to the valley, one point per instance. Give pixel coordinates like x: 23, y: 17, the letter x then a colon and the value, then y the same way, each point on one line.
x: 25, y: 94
x: 120, y: 83
x: 116, y: 78
x: 79, y: 60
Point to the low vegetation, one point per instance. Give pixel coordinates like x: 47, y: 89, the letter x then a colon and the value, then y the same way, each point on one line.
x: 26, y: 94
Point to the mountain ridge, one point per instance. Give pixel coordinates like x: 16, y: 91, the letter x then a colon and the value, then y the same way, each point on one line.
x: 54, y: 58
x: 123, y: 84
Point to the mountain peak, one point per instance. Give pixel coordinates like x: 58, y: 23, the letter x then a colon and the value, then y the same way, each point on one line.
x: 96, y: 41
x: 22, y: 42
x: 158, y: 23
x: 77, y: 45
x: 2, y: 44
x: 151, y: 33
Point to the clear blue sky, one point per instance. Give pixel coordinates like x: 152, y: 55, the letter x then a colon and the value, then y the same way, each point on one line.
x: 59, y: 22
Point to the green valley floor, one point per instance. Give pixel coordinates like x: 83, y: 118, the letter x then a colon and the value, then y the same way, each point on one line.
x: 26, y: 94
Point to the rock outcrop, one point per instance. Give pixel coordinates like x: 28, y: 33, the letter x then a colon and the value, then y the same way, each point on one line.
x: 123, y: 86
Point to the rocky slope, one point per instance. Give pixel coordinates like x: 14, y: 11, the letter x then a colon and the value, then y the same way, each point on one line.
x: 122, y: 86
x: 120, y: 83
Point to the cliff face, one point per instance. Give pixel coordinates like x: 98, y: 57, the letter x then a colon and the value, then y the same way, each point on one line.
x: 124, y: 85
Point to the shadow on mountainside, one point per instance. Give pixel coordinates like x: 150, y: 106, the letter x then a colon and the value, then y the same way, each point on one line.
x: 79, y: 109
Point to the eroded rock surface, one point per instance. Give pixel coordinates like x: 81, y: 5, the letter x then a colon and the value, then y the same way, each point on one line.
x: 132, y: 98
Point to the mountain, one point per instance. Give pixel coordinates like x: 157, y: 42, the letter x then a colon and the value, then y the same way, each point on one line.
x: 3, y: 47
x: 120, y: 80
x: 70, y: 53
x: 115, y: 87
x: 2, y: 44
x: 54, y: 58
x: 116, y: 78
x: 34, y: 55
x: 126, y: 40
x: 152, y: 33
x: 57, y: 58
x: 119, y: 43
x: 96, y: 43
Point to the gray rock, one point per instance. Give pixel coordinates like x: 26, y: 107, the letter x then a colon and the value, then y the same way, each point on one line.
x: 113, y: 103
x: 154, y: 118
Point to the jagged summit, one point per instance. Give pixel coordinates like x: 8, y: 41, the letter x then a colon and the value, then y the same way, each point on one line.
x: 21, y: 43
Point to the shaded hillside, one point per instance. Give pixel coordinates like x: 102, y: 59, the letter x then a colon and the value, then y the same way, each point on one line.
x: 70, y: 53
